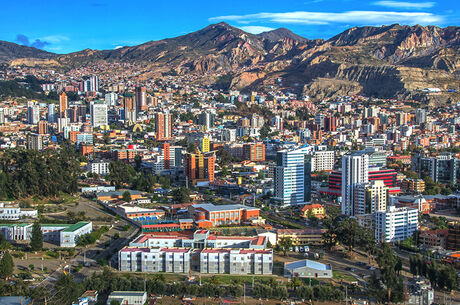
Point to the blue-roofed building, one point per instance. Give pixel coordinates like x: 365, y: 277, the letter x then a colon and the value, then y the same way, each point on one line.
x: 308, y: 269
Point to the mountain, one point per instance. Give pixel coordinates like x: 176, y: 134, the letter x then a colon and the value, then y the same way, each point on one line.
x: 9, y: 51
x: 389, y: 61
x: 280, y: 34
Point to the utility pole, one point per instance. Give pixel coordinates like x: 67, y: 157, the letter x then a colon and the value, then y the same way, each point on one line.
x: 244, y: 293
x: 346, y: 293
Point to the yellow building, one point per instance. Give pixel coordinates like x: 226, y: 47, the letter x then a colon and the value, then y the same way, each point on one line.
x: 205, y: 145
x: 302, y: 237
x: 315, y: 209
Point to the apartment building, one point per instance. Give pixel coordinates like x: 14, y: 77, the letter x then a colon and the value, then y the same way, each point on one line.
x: 322, y: 160
x: 184, y: 260
x: 395, y: 224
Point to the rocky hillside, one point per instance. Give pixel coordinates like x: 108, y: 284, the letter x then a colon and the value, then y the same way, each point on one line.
x: 10, y: 51
x: 387, y: 61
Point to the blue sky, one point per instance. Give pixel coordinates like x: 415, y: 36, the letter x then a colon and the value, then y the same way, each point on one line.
x: 67, y: 26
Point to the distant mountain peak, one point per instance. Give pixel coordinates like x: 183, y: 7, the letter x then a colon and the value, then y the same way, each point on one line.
x: 280, y: 34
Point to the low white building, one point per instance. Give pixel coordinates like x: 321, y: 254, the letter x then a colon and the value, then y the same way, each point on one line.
x: 128, y: 297
x: 395, y: 224
x: 98, y: 167
x: 12, y: 211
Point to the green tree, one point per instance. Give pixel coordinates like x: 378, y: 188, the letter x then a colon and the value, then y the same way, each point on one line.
x: 387, y: 261
x: 126, y: 196
x: 191, y: 148
x: 36, y: 240
x: 349, y: 233
x: 285, y: 243
x: 6, y: 265
x: 67, y: 290
x: 181, y: 195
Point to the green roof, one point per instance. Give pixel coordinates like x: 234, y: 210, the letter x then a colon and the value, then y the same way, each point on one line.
x: 75, y: 227
x: 15, y: 224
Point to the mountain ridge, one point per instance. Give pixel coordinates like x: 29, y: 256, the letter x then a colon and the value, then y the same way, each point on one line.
x: 357, y: 58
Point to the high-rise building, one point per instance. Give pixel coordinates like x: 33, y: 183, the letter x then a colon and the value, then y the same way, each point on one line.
x: 254, y: 151
x: 163, y: 126
x: 63, y: 105
x: 35, y: 141
x: 94, y: 83
x: 442, y: 169
x: 330, y: 123
x: 290, y: 176
x: 395, y: 224
x: 420, y: 116
x: 257, y: 121
x: 355, y: 170
x: 322, y: 160
x: 98, y: 114
x: 370, y: 197
x: 111, y: 99
x: 205, y: 145
x: 51, y: 114
x: 319, y: 120
x: 277, y: 122
x: 2, y: 116
x: 206, y: 119
x: 172, y: 156
x: 33, y: 113
x: 42, y: 127
x: 129, y: 105
x: 141, y: 99
x: 199, y: 167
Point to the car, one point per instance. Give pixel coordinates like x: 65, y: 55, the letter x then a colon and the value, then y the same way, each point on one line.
x: 301, y: 249
x: 306, y: 248
x: 350, y: 269
x: 371, y: 268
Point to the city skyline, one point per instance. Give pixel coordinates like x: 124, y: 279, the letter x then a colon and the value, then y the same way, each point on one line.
x: 101, y: 26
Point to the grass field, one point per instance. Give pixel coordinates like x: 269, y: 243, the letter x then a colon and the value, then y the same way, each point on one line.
x: 340, y: 276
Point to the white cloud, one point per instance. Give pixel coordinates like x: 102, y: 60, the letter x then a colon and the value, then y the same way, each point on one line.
x: 255, y: 29
x: 322, y: 18
x: 55, y: 38
x: 404, y: 4
x: 118, y: 47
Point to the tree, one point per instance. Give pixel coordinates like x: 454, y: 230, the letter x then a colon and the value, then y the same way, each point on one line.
x: 285, y: 243
x: 36, y: 240
x: 114, y: 302
x: 265, y: 131
x: 181, y: 195
x: 387, y: 261
x: 127, y: 196
x: 191, y: 148
x: 349, y: 233
x: 67, y: 290
x: 6, y: 265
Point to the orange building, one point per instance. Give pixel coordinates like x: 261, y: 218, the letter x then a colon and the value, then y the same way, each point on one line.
x: 73, y: 136
x: 42, y: 127
x: 232, y: 214
x: 63, y: 105
x: 163, y: 126
x: 166, y: 156
x: 200, y: 167
x: 254, y: 151
x: 86, y: 149
x: 125, y: 154
x: 108, y: 196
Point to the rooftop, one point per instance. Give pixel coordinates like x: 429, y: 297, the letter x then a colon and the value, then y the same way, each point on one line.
x: 307, y: 263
